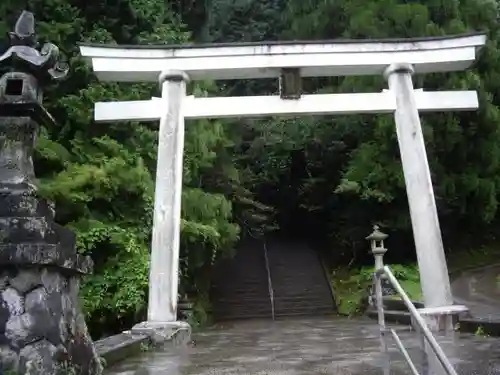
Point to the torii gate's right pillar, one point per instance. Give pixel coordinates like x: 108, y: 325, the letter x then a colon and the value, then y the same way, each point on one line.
x: 434, y: 276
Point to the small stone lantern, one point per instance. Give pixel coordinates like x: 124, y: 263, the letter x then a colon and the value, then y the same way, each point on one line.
x: 376, y: 239
x: 377, y: 244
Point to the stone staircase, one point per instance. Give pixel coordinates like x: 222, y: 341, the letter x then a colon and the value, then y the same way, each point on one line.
x: 240, y: 288
x: 298, y: 279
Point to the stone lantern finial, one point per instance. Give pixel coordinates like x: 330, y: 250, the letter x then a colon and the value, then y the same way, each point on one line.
x: 25, y: 55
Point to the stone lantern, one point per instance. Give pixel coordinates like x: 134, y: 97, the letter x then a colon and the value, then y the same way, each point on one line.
x: 378, y: 249
x: 376, y: 239
x: 42, y: 327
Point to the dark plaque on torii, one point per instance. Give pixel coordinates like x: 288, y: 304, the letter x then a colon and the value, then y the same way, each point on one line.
x: 42, y: 328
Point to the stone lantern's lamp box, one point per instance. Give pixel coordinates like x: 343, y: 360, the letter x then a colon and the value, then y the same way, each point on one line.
x: 42, y: 328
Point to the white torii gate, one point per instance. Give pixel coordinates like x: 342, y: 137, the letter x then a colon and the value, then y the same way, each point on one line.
x: 173, y: 65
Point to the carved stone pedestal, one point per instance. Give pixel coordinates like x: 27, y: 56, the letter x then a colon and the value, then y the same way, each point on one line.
x: 42, y: 329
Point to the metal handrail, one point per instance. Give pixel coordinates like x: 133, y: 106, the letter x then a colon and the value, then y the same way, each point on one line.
x: 424, y: 329
x: 269, y: 281
x: 327, y: 277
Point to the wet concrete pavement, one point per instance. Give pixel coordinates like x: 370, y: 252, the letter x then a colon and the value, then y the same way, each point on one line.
x: 479, y: 290
x: 305, y: 346
x: 327, y: 345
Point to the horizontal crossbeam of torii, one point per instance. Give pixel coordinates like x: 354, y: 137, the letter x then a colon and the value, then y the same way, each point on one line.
x: 396, y: 59
x: 261, y: 106
x: 265, y: 60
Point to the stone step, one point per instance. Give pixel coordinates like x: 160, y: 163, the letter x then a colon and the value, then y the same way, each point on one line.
x: 292, y: 260
x: 236, y: 281
x: 298, y: 271
x: 305, y: 298
x: 295, y: 294
x: 306, y: 312
x: 244, y: 288
x: 295, y: 262
x: 240, y: 301
x: 230, y: 301
x: 300, y: 293
x: 240, y: 281
x: 240, y: 286
x: 291, y: 313
x: 261, y: 306
x: 251, y: 315
x: 299, y: 268
x: 230, y: 309
x: 267, y: 305
x: 300, y: 287
x: 307, y: 303
x: 242, y: 307
x: 290, y: 272
x: 286, y: 278
x: 283, y: 281
x: 242, y: 294
x: 302, y: 306
x: 234, y: 311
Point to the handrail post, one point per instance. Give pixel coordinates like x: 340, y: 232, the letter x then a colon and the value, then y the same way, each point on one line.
x: 424, y: 349
x: 378, y: 250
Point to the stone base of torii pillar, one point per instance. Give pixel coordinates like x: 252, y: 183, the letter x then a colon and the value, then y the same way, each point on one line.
x: 177, y: 333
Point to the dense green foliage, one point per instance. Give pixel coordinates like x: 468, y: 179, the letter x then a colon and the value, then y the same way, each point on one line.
x: 327, y: 178
x: 352, y: 286
x: 344, y: 172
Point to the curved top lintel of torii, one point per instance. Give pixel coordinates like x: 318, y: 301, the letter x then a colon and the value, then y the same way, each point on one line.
x: 144, y: 63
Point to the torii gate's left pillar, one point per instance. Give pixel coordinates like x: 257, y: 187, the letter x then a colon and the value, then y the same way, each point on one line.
x: 42, y: 328
x: 162, y: 324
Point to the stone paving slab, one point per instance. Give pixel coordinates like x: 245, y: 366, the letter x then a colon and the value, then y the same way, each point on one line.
x: 304, y: 346
x: 479, y: 290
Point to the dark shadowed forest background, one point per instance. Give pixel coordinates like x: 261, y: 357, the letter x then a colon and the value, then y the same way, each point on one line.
x: 323, y: 179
